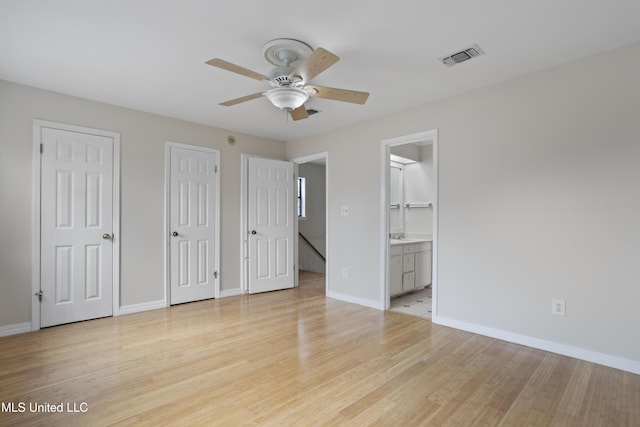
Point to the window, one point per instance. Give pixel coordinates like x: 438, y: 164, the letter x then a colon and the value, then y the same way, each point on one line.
x: 301, y: 197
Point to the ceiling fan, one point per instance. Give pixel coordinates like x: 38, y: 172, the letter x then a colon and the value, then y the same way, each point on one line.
x: 296, y: 65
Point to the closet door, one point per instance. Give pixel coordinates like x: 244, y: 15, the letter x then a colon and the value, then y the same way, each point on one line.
x: 77, y: 227
x: 193, y: 224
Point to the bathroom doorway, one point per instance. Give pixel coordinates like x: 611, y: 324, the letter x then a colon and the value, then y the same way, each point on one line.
x: 409, y: 216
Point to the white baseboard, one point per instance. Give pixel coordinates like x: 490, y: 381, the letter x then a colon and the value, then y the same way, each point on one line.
x: 355, y: 300
x: 628, y: 365
x: 18, y: 328
x: 145, y: 306
x: 231, y: 292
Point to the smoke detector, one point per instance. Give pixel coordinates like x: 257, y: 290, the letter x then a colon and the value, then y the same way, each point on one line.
x: 463, y: 55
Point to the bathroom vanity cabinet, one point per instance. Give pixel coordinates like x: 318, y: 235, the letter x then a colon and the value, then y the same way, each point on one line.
x: 410, y: 266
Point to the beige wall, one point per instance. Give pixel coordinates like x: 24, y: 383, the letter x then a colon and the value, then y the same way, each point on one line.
x: 538, y: 199
x: 143, y: 139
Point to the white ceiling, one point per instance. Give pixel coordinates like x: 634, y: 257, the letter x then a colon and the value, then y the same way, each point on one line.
x: 150, y: 55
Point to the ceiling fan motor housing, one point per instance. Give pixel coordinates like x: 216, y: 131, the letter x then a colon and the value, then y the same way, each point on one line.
x: 280, y: 77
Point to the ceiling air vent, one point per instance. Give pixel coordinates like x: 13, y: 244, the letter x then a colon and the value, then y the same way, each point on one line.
x: 462, y: 56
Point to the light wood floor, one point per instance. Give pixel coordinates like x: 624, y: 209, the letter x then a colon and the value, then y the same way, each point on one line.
x: 296, y: 358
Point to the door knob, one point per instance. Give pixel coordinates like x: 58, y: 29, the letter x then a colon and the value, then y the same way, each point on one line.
x: 106, y: 236
x: 254, y: 232
x: 174, y: 234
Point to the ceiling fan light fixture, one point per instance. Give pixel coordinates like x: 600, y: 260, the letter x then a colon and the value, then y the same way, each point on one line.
x: 287, y: 98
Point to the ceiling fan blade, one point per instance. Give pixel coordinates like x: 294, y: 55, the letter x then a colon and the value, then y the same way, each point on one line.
x: 241, y: 99
x: 314, y: 64
x: 335, y: 94
x: 225, y: 65
x: 299, y: 113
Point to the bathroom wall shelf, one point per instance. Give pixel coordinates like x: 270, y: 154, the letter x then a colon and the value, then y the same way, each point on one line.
x: 418, y: 205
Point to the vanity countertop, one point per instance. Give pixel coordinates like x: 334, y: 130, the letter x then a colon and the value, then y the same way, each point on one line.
x: 408, y: 240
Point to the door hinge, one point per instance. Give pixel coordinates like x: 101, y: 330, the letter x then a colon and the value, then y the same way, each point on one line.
x: 41, y: 148
x: 39, y: 295
x: 215, y: 274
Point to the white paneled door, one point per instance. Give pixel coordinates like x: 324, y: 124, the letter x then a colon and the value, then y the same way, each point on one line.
x: 193, y: 216
x: 271, y: 225
x: 76, y: 224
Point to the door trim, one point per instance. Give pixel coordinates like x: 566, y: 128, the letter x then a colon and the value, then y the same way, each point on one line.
x: 431, y: 135
x: 167, y: 210
x: 36, y: 189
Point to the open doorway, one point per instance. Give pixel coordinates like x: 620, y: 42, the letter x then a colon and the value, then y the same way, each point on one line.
x: 410, y: 223
x: 312, y: 225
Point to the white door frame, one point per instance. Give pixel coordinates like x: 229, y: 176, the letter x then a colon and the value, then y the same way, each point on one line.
x: 306, y: 159
x: 429, y: 135
x: 167, y: 212
x: 244, y: 221
x: 36, y: 191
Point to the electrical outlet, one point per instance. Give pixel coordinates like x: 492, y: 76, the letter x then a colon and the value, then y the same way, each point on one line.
x: 344, y: 211
x: 345, y: 273
x: 558, y: 307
